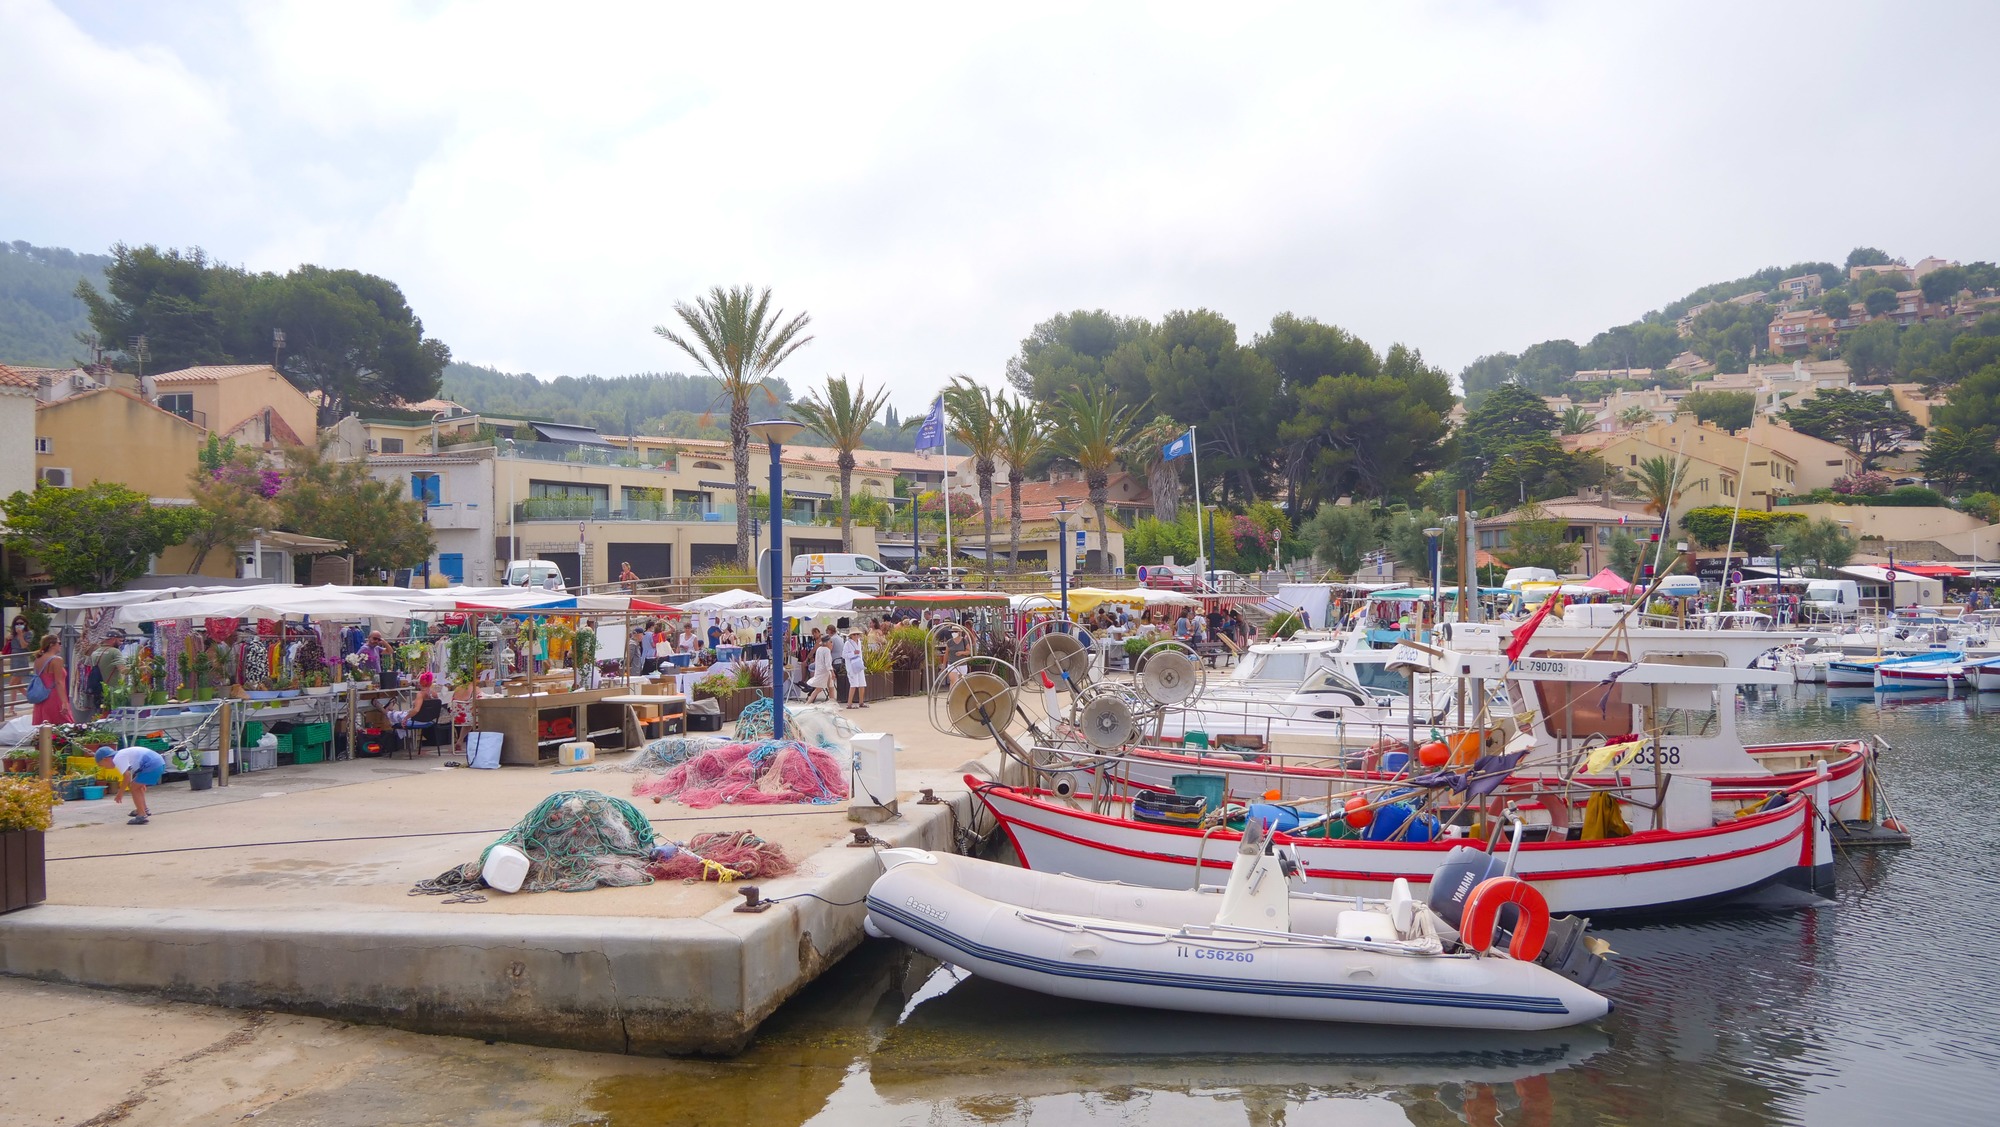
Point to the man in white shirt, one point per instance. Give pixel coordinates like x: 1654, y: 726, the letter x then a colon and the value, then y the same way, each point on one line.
x: 138, y: 768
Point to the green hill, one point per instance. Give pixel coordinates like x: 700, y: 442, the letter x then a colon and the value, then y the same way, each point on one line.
x: 40, y: 315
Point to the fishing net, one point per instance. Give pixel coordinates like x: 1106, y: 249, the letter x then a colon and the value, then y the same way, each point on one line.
x: 764, y: 773
x: 754, y: 723
x: 671, y: 751
x: 739, y: 851
x: 576, y: 840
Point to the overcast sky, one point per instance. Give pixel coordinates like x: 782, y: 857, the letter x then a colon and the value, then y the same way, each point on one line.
x: 546, y: 180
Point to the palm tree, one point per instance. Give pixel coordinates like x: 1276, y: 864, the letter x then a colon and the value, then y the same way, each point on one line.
x: 1659, y: 483
x: 738, y: 339
x: 1022, y: 440
x: 842, y: 416
x: 1634, y: 415
x: 1576, y: 420
x: 975, y: 422
x: 1093, y: 430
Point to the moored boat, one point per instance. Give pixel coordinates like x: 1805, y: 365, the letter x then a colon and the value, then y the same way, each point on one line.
x: 1257, y: 948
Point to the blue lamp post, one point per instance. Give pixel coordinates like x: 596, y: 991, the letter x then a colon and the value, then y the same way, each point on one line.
x: 775, y: 433
x: 1062, y: 550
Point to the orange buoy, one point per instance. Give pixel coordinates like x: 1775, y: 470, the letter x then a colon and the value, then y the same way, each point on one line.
x: 1358, y: 814
x: 1482, y: 916
x: 1434, y: 754
x: 1273, y: 795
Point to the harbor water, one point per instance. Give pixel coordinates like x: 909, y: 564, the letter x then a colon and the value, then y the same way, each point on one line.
x: 1875, y: 1009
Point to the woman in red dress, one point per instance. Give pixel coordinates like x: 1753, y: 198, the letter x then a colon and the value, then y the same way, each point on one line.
x: 50, y: 670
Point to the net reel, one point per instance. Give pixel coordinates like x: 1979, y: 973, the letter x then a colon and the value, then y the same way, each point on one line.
x: 1054, y: 649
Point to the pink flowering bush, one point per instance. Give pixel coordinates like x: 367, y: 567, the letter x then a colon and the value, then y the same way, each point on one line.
x: 1867, y: 483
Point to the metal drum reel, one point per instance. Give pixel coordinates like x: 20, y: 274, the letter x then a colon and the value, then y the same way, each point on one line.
x: 980, y: 704
x: 1055, y: 655
x: 1172, y: 674
x: 1107, y: 721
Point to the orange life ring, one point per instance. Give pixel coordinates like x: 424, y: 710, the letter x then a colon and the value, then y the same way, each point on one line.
x: 1482, y: 916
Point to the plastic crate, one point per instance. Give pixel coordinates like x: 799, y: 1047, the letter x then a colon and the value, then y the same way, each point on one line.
x: 288, y: 743
x: 252, y: 732
x: 310, y: 755
x: 154, y: 742
x: 259, y: 759
x: 313, y: 733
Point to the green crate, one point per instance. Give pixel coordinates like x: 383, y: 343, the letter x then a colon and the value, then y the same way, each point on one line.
x: 159, y: 745
x: 314, y: 733
x: 252, y: 732
x: 288, y: 742
x: 310, y: 754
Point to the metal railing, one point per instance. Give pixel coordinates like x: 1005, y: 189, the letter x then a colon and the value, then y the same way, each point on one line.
x: 587, y: 508
x: 582, y: 455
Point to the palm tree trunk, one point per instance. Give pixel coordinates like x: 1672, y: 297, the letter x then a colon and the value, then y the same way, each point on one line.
x: 1099, y: 489
x: 846, y: 502
x: 739, y: 444
x: 1014, y: 532
x: 986, y: 513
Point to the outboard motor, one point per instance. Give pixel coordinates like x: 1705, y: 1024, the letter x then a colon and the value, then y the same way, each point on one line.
x: 1569, y: 950
x: 1457, y: 875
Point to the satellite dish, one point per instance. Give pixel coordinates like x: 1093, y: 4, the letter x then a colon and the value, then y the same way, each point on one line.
x: 1170, y: 677
x: 1056, y: 654
x: 977, y: 699
x: 1107, y: 723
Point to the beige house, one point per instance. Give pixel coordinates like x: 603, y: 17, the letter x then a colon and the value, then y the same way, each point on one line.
x: 251, y: 402
x: 1722, y: 469
x: 17, y: 431
x: 1820, y: 463
x: 1591, y: 522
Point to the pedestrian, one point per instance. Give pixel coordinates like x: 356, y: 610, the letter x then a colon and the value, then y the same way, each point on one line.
x: 857, y: 671
x: 138, y: 768
x: 822, y: 674
x: 627, y: 578
x: 836, y: 641
x: 52, y: 676
x: 103, y: 671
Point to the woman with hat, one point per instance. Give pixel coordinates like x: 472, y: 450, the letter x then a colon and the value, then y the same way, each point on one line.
x: 857, y: 675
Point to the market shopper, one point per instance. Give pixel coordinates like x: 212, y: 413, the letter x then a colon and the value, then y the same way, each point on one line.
x: 857, y: 671
x: 138, y: 768
x: 49, y: 669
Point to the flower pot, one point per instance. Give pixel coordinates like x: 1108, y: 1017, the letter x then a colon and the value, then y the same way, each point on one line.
x: 23, y: 870
x: 880, y: 686
x: 201, y: 778
x: 319, y: 690
x: 905, y: 681
x: 204, y: 694
x: 156, y: 698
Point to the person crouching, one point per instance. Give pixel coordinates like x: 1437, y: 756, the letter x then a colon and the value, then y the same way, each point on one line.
x: 138, y: 768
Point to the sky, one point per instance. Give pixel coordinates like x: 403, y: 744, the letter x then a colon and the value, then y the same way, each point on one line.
x: 929, y: 181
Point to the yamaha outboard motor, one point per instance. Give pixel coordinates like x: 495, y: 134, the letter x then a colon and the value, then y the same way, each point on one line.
x: 1569, y: 950
x: 1460, y: 872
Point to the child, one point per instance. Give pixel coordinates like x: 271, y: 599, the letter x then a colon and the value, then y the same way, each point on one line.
x: 138, y: 768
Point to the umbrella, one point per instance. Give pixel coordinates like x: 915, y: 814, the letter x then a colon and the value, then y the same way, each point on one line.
x: 1608, y: 580
x: 736, y: 598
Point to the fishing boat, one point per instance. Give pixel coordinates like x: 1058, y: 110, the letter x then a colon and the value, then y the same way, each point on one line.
x: 1691, y: 857
x: 1938, y: 673
x: 1853, y: 672
x: 1257, y: 948
x: 1984, y: 674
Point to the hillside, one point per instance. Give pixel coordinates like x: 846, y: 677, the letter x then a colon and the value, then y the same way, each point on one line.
x: 40, y: 315
x: 1731, y: 335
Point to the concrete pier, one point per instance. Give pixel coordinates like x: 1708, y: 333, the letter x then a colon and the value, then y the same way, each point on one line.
x: 288, y: 891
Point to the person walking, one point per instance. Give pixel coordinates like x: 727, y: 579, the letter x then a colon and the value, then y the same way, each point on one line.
x: 138, y: 768
x: 627, y: 578
x: 838, y: 644
x: 822, y: 675
x: 857, y: 672
x: 52, y: 676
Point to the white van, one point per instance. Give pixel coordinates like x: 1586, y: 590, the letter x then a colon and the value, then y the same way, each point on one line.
x: 1831, y: 599
x: 533, y: 573
x: 846, y: 569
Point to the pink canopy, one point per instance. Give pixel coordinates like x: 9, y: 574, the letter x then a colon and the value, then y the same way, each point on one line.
x: 1607, y: 580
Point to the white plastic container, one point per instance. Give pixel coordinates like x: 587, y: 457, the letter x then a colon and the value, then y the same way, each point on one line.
x: 874, y: 768
x: 576, y: 753
x: 506, y: 868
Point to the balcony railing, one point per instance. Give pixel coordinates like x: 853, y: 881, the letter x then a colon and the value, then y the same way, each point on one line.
x: 585, y: 508
x: 582, y: 455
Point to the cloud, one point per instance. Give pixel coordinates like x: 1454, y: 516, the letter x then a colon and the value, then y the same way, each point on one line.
x: 929, y: 181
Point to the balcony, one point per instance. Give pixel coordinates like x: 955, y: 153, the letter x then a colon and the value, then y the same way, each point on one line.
x: 585, y: 508
x: 454, y: 514
x: 582, y: 455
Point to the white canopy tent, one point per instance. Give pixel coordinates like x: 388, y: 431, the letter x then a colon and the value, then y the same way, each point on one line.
x: 722, y: 602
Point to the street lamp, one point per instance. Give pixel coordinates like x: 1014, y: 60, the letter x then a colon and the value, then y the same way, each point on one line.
x: 1062, y: 549
x: 1437, y: 565
x: 775, y: 433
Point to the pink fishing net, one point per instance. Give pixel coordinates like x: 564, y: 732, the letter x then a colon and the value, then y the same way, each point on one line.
x: 769, y: 772
x: 740, y: 851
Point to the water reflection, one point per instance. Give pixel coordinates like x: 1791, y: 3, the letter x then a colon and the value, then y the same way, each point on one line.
x: 1871, y: 1010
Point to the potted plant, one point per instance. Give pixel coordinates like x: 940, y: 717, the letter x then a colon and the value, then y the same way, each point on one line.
x: 26, y: 807
x: 1133, y: 648
x: 186, y: 689
x: 875, y: 663
x: 907, y: 645
x: 316, y: 684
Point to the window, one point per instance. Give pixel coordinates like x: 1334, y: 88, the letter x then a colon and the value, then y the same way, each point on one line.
x: 863, y: 563
x: 181, y: 405
x: 392, y: 446
x: 425, y: 487
x: 45, y: 445
x: 569, y: 489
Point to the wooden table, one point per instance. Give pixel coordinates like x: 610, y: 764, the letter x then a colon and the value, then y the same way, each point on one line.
x: 643, y: 710
x: 518, y: 720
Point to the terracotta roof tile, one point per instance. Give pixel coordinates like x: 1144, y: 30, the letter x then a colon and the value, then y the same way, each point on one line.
x: 9, y: 377
x: 210, y: 373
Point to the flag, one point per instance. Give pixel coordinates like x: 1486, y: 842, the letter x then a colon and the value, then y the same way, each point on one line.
x: 1621, y: 518
x: 1526, y: 630
x: 930, y: 436
x: 1181, y: 444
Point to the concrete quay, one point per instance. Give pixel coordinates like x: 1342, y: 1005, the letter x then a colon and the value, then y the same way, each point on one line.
x: 288, y: 890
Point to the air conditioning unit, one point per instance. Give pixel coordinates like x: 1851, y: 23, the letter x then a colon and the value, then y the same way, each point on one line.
x: 56, y: 476
x: 370, y: 445
x: 83, y: 383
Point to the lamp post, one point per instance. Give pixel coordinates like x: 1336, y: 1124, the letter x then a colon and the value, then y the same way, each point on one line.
x: 1062, y: 550
x: 1437, y: 565
x: 775, y: 433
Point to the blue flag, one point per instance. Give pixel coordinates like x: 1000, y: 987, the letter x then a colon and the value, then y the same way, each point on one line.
x: 1181, y: 444
x: 930, y: 436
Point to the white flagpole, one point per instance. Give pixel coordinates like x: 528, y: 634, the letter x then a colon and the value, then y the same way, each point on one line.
x: 944, y: 444
x: 1200, y: 543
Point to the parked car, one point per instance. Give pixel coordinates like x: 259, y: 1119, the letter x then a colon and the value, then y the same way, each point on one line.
x: 1169, y: 577
x: 851, y: 569
x: 946, y: 577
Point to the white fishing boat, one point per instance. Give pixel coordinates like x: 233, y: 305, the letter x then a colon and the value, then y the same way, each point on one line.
x: 1984, y: 674
x: 1691, y: 857
x: 1939, y: 673
x: 1256, y: 948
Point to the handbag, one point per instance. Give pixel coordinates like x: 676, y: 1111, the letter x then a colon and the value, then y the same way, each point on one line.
x: 38, y: 688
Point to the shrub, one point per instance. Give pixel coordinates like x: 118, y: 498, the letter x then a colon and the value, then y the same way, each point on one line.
x: 26, y: 804
x: 906, y: 647
x: 1286, y: 625
x: 1709, y: 526
x: 1867, y: 483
